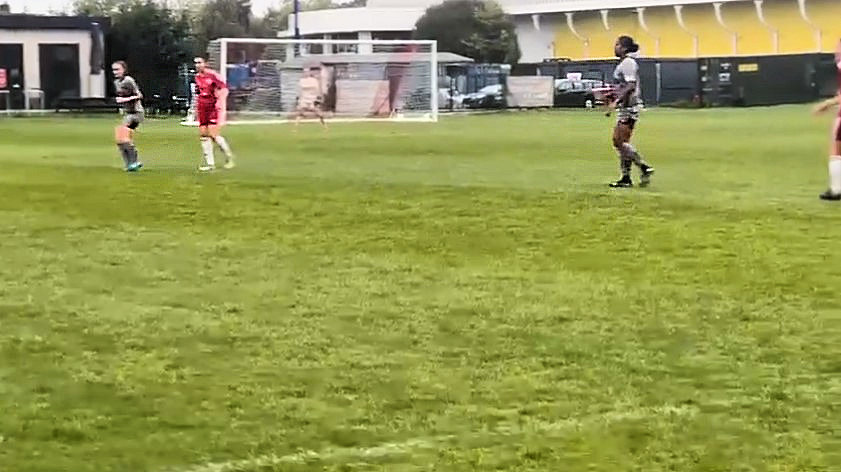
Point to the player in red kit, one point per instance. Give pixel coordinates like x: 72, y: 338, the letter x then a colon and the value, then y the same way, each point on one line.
x: 834, y: 192
x: 210, y: 111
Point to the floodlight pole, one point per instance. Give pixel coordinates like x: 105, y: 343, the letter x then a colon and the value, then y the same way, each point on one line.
x: 296, y: 11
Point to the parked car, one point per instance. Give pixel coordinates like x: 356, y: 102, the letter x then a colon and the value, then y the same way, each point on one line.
x: 487, y: 97
x: 584, y: 93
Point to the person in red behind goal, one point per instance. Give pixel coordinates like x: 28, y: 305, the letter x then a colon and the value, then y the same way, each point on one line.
x: 834, y: 192
x: 210, y: 111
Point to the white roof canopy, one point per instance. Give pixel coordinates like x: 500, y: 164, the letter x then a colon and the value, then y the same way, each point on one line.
x: 401, y: 15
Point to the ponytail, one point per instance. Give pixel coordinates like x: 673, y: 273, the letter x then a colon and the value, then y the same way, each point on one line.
x: 628, y: 44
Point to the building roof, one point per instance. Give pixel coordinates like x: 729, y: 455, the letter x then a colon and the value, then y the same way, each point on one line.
x: 41, y: 22
x: 401, y: 15
x: 344, y: 20
x: 374, y: 58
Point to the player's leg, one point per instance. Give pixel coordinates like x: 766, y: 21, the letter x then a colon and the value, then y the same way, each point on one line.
x: 299, y: 113
x: 206, y: 147
x: 628, y: 154
x: 834, y: 192
x: 123, y: 137
x: 136, y: 119
x: 207, y: 121
x: 621, y: 134
x: 215, y: 133
x: 646, y: 170
x: 320, y: 114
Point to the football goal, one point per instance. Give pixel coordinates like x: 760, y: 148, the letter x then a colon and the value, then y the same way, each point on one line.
x: 280, y: 80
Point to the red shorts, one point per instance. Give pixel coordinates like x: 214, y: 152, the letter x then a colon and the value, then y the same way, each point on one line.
x: 207, y: 115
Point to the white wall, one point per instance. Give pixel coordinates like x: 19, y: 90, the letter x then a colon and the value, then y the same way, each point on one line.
x: 536, y: 45
x: 91, y: 85
x: 349, y: 20
x: 421, y: 4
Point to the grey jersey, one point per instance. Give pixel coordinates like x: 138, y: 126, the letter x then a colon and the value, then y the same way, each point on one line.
x: 126, y: 87
x: 628, y: 71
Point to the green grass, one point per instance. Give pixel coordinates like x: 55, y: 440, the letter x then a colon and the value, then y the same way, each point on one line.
x: 413, y: 297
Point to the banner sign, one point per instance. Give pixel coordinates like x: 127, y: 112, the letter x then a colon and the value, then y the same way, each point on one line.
x: 531, y: 91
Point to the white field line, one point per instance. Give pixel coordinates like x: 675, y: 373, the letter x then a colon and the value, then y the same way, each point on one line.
x: 360, y: 454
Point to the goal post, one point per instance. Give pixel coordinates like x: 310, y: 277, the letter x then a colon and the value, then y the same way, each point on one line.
x: 280, y: 80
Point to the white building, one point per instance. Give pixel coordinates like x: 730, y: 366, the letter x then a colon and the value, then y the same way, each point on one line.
x: 586, y: 29
x: 45, y: 58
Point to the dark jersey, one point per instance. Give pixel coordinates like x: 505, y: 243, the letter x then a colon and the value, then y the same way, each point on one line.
x: 207, y: 84
x: 839, y: 88
x: 838, y: 67
x: 127, y: 87
x: 839, y: 77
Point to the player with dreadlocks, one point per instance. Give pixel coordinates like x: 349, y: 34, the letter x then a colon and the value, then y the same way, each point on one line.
x: 627, y: 105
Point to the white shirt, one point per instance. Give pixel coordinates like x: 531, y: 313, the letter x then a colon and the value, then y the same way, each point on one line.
x: 626, y: 72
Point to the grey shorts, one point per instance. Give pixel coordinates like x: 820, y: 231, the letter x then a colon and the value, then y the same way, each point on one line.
x: 132, y: 120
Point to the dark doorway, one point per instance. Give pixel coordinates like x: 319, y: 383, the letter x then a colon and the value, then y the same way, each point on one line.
x: 59, y: 72
x: 11, y: 76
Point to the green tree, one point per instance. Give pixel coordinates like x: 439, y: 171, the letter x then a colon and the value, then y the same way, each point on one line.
x: 222, y: 19
x: 96, y: 7
x: 274, y: 21
x: 151, y: 38
x: 477, y: 29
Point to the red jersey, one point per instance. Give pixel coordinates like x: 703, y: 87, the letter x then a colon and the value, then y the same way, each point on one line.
x: 207, y: 84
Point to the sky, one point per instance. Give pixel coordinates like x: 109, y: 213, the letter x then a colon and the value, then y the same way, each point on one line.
x: 47, y: 6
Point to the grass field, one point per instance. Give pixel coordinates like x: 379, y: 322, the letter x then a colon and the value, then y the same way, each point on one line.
x: 413, y: 297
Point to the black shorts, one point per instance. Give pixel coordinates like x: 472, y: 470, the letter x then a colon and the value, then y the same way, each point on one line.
x: 628, y: 116
x: 631, y: 123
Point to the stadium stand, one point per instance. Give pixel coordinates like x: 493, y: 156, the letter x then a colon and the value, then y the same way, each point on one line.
x: 585, y: 29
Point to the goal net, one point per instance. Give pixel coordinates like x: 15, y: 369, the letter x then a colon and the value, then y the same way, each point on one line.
x: 279, y: 80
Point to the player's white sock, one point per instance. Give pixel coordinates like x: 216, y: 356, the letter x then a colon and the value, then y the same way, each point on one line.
x: 207, y: 148
x: 835, y: 174
x: 223, y: 144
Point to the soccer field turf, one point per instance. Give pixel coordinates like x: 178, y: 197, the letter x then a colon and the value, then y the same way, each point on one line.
x: 460, y: 296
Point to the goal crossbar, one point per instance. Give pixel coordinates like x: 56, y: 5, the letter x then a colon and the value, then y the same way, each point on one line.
x: 384, y: 42
x: 271, y: 80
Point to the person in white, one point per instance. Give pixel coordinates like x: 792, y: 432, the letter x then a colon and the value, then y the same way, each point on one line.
x: 309, y: 97
x: 627, y: 102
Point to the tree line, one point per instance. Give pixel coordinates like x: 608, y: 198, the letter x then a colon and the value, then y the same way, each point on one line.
x: 157, y: 37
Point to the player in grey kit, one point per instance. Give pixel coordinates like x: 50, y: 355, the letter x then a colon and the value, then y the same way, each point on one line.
x: 129, y: 96
x: 627, y: 104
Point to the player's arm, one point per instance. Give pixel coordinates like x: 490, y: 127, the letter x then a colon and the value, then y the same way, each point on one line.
x: 135, y: 93
x: 220, y: 91
x: 623, y: 93
x: 218, y: 84
x: 827, y: 104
